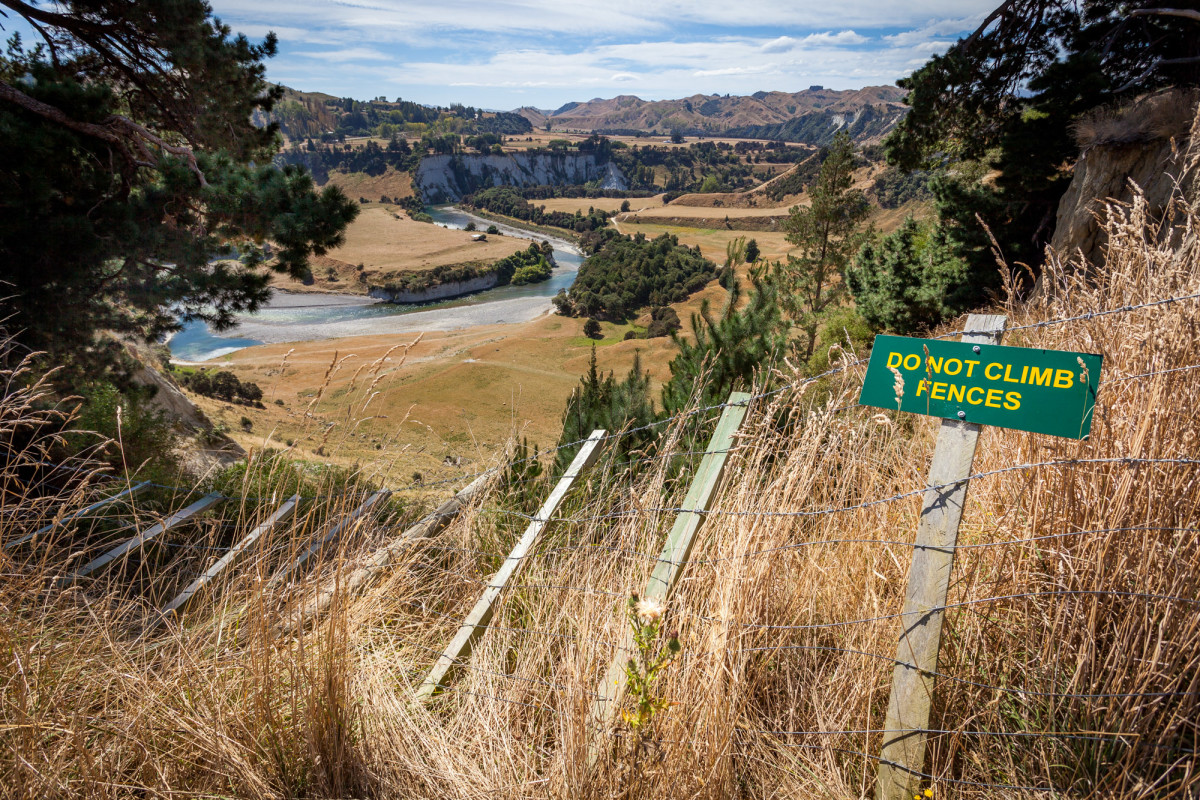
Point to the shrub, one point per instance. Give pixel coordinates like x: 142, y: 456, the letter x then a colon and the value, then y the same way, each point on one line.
x: 591, y: 329
x: 143, y: 442
x: 663, y: 322
x: 910, y: 280
x: 223, y: 385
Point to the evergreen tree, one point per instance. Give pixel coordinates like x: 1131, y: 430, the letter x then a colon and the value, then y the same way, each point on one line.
x: 600, y: 401
x: 752, y: 251
x: 128, y: 163
x: 728, y: 350
x: 911, y: 279
x: 1008, y: 95
x: 825, y: 235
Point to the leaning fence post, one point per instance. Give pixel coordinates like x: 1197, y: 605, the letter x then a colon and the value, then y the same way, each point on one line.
x: 675, y: 553
x: 902, y: 756
x: 476, y: 622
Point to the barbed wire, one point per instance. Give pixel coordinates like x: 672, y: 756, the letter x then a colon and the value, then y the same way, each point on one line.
x: 1125, y: 460
x: 720, y: 406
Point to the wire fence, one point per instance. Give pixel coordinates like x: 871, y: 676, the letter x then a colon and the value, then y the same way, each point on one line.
x: 467, y: 573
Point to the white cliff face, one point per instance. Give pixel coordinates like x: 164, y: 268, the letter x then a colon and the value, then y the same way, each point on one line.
x: 441, y: 291
x: 444, y: 179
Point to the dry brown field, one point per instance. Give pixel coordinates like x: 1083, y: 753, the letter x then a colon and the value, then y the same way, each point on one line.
x: 573, y: 204
x: 456, y: 399
x: 384, y: 238
x: 459, y: 395
x: 393, y: 184
x: 386, y: 241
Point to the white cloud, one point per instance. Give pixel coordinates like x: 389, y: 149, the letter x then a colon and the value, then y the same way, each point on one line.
x: 383, y: 19
x: 780, y: 45
x: 839, y: 38
x: 712, y: 73
x: 545, y: 52
x: 346, y: 54
x: 934, y: 32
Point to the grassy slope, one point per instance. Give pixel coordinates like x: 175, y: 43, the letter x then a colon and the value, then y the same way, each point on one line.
x: 94, y: 709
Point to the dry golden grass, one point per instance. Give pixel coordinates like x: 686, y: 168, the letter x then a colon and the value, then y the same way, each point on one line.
x: 392, y: 184
x: 384, y: 239
x: 1150, y: 118
x: 573, y: 204
x: 1080, y: 586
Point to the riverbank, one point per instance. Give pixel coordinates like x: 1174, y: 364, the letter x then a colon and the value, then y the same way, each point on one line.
x: 296, y: 316
x: 513, y: 222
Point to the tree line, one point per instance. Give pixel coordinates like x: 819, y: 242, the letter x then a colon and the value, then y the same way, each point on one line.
x: 508, y: 201
x: 627, y: 273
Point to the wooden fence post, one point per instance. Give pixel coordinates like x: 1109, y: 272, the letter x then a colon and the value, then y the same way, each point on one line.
x: 902, y: 756
x: 330, y: 535
x: 282, y: 514
x: 140, y: 539
x: 674, y: 556
x: 130, y: 492
x: 475, y: 624
x: 384, y: 557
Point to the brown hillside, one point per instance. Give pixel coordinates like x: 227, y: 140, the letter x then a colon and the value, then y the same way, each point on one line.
x: 712, y: 112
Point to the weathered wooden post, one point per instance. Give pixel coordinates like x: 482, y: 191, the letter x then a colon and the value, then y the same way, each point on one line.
x: 903, y: 752
x: 674, y: 557
x: 281, y: 515
x: 331, y: 535
x: 81, y: 514
x: 970, y: 383
x: 139, y: 540
x: 476, y: 622
x: 383, y: 558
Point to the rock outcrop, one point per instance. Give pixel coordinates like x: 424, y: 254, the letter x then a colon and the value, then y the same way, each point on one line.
x: 1154, y: 144
x: 446, y: 178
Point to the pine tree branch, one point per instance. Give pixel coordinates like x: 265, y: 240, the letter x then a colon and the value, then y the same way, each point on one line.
x: 1186, y: 13
x: 121, y: 132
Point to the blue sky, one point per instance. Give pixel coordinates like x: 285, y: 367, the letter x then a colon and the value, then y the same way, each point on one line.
x: 502, y: 54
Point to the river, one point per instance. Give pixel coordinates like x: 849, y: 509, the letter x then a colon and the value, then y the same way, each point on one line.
x: 295, y: 317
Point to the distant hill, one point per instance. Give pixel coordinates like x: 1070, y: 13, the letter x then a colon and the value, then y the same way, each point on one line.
x: 305, y: 115
x: 810, y: 116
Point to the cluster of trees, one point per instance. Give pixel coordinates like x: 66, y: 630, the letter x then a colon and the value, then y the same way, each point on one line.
x: 546, y: 192
x: 508, y: 201
x: 302, y: 117
x: 1003, y: 100
x: 371, y: 159
x: 532, y: 265
x: 130, y: 162
x: 222, y: 385
x: 627, y: 273
x: 688, y: 169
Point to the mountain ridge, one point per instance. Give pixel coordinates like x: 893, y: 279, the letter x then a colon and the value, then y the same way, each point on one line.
x: 809, y: 115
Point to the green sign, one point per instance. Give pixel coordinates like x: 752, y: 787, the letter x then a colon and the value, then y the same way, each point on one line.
x: 1044, y: 391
